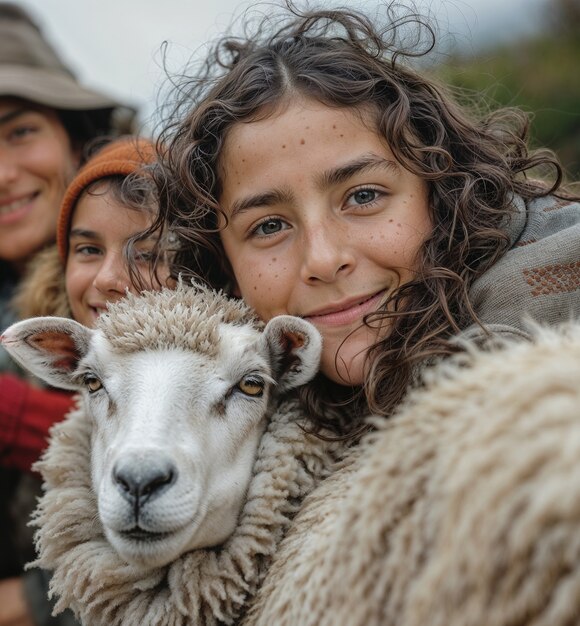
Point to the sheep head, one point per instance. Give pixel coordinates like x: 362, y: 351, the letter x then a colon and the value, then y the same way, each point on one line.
x: 178, y: 386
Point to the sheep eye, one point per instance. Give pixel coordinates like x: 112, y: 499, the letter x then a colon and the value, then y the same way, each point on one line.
x: 252, y: 386
x: 92, y: 383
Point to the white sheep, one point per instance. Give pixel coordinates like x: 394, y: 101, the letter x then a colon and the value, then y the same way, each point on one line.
x: 178, y: 387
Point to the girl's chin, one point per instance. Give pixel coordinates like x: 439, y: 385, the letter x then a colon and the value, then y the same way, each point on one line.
x: 344, y: 371
x: 344, y: 361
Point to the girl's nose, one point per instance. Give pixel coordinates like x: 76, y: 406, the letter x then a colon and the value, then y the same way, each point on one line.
x: 8, y: 170
x: 326, y: 255
x: 112, y: 277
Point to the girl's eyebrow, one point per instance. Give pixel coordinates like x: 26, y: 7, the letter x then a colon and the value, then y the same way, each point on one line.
x: 12, y: 115
x: 366, y: 162
x: 267, y: 198
x: 83, y: 234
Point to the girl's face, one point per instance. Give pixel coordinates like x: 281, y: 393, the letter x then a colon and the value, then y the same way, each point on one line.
x: 36, y: 162
x: 323, y: 224
x: 96, y: 268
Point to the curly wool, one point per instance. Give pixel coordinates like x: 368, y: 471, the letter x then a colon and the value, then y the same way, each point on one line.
x: 169, y: 318
x: 204, y: 587
x: 463, y: 510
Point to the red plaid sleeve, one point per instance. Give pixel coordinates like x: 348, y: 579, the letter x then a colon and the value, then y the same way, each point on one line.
x: 26, y: 414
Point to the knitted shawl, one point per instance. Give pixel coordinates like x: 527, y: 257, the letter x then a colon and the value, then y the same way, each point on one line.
x: 204, y: 587
x: 539, y: 276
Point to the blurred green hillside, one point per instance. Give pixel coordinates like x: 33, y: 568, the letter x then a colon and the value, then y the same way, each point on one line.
x: 541, y: 75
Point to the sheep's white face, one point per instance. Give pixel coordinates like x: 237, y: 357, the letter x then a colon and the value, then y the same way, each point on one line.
x: 175, y: 431
x: 175, y: 437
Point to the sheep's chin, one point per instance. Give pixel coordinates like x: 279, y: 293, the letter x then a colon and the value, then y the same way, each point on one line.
x: 158, y: 550
x: 151, y: 551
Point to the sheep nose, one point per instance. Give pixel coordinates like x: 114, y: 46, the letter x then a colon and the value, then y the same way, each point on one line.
x: 144, y: 480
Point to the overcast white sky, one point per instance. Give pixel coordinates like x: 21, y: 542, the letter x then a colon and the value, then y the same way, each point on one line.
x: 115, y: 45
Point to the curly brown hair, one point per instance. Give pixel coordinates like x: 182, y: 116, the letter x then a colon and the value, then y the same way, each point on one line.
x: 473, y: 165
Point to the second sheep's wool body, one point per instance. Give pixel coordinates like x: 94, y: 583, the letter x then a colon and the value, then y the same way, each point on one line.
x: 462, y: 510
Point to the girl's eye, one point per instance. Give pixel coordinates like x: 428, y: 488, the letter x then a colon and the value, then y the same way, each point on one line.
x: 21, y: 132
x: 92, y: 383
x: 364, y: 196
x: 270, y: 226
x: 252, y: 386
x: 87, y: 250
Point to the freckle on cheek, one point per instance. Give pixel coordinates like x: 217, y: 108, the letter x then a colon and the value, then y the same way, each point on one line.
x: 283, y: 145
x: 302, y: 141
x: 274, y: 259
x: 390, y: 221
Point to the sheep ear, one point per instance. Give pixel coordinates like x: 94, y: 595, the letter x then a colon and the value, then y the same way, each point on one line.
x: 49, y: 347
x: 295, y: 346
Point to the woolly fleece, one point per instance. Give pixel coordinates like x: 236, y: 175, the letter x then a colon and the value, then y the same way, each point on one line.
x: 463, y: 510
x: 187, y: 317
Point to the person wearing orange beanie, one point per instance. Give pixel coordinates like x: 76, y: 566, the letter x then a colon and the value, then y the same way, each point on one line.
x: 106, y: 206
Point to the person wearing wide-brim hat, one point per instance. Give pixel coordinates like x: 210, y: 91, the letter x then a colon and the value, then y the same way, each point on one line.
x: 47, y: 120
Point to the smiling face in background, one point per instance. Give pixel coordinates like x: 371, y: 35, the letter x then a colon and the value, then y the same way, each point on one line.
x: 323, y: 224
x: 36, y: 163
x: 96, y: 267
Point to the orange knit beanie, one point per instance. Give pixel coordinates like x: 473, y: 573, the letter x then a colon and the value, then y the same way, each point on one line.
x: 121, y: 157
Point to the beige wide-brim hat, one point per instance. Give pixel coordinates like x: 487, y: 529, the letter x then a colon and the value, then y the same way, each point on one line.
x: 31, y: 69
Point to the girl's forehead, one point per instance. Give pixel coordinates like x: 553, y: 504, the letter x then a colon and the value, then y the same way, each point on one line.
x: 304, y: 116
x: 100, y: 209
x: 9, y: 104
x: 306, y: 149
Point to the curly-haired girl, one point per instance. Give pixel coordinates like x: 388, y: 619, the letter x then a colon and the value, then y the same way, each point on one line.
x: 311, y: 171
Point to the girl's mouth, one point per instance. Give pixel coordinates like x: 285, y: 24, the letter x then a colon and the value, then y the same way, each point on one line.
x: 349, y: 314
x: 16, y: 209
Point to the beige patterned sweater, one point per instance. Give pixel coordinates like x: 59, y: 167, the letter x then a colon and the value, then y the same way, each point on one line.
x: 539, y: 277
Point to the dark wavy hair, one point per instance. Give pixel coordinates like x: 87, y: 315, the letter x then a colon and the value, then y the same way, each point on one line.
x: 473, y: 166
